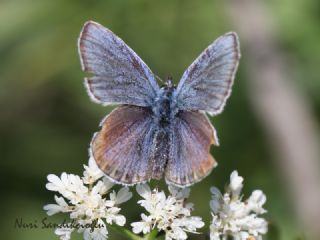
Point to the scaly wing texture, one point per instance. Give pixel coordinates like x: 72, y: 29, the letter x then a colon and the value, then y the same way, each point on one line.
x: 190, y: 159
x: 122, y: 148
x: 206, y: 84
x: 120, y: 76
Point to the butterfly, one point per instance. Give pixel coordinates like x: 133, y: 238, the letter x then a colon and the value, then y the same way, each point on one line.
x: 155, y: 131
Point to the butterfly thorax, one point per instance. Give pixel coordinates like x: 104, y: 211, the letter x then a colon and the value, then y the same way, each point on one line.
x: 163, y: 105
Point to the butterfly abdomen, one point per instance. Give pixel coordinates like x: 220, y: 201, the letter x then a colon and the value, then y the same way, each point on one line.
x: 160, y: 153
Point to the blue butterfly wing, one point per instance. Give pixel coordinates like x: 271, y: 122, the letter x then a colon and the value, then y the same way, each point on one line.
x: 206, y: 84
x: 119, y: 75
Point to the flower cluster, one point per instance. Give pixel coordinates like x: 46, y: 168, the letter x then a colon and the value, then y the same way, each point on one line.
x: 92, y: 205
x: 88, y: 201
x: 233, y: 217
x: 169, y: 214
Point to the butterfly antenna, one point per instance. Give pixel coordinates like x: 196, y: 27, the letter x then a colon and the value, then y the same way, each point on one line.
x: 157, y: 77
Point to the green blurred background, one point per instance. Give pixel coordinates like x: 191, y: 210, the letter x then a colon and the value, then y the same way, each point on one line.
x: 47, y: 119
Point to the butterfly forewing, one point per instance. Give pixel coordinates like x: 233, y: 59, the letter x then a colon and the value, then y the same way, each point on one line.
x: 207, y: 83
x: 190, y: 159
x: 122, y: 148
x: 120, y: 76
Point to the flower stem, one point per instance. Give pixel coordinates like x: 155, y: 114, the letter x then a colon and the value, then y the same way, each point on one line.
x: 152, y: 235
x: 125, y: 232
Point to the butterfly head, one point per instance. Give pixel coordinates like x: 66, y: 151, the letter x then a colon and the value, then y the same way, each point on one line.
x: 168, y: 82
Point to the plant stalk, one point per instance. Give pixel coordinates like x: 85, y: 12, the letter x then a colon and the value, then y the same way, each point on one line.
x: 125, y: 232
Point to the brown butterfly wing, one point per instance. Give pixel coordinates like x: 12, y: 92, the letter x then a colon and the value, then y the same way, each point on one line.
x: 190, y: 159
x: 121, y: 149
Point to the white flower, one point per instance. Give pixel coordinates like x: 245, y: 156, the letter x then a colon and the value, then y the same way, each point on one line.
x: 68, y: 185
x: 169, y: 214
x: 64, y: 233
x: 61, y: 206
x: 92, y: 172
x: 216, y: 201
x: 233, y: 217
x: 143, y: 226
x: 85, y: 200
x: 256, y: 201
x: 99, y: 233
x: 235, y: 183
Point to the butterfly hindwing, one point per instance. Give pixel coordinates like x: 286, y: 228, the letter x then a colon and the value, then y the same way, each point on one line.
x: 190, y: 160
x: 207, y: 82
x: 122, y: 147
x: 120, y: 76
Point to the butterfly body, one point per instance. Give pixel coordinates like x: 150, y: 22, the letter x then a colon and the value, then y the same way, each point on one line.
x: 164, y: 109
x: 155, y: 132
x: 163, y: 115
